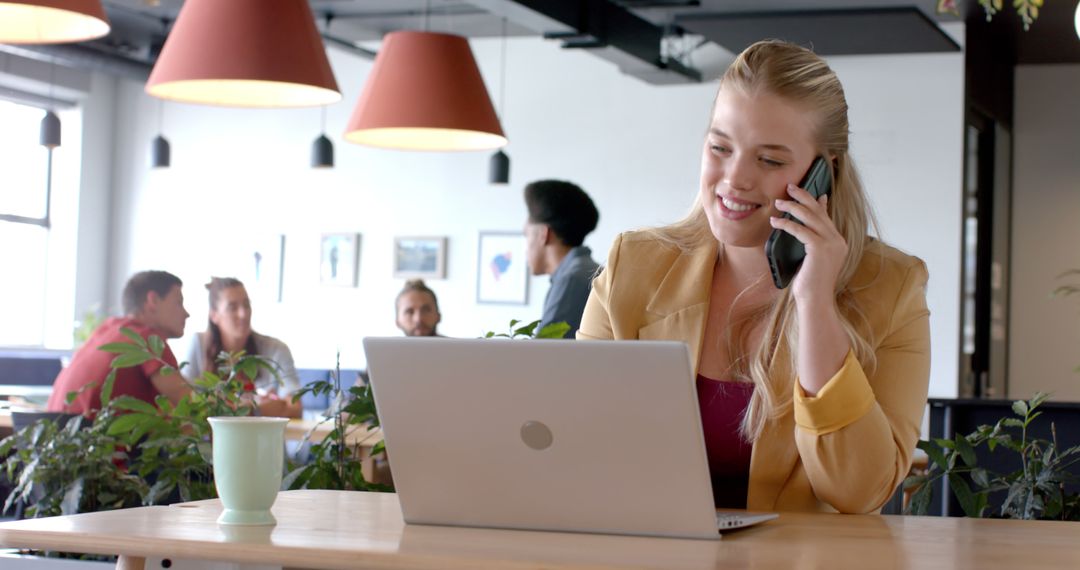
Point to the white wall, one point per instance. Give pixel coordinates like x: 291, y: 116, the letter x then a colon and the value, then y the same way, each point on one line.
x: 1044, y: 331
x: 95, y: 196
x: 907, y: 122
x: 241, y: 176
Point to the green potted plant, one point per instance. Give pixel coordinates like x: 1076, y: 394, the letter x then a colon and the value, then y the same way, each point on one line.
x: 132, y: 452
x: 1034, y: 491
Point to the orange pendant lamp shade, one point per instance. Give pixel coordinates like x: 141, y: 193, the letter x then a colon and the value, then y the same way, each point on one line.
x: 244, y: 53
x: 51, y: 21
x: 425, y: 93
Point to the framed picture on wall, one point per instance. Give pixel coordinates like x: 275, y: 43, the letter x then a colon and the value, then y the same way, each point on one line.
x: 423, y: 257
x: 502, y: 277
x: 340, y: 257
x: 268, y: 268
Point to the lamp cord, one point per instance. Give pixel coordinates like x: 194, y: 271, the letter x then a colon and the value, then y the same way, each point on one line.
x: 326, y: 30
x: 502, y: 73
x: 52, y: 73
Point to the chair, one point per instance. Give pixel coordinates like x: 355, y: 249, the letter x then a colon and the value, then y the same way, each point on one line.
x: 311, y: 402
x: 21, y: 418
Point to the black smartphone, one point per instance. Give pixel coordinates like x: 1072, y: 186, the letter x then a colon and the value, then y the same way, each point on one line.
x: 784, y: 251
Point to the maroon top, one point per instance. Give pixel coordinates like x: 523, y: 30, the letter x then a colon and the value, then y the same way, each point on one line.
x: 722, y: 407
x: 90, y: 365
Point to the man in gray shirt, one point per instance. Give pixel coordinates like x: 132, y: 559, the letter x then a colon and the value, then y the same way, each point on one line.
x: 560, y: 216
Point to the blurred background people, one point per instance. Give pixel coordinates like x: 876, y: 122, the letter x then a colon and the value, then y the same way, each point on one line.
x: 560, y: 216
x: 228, y: 329
x: 417, y: 309
x: 153, y: 305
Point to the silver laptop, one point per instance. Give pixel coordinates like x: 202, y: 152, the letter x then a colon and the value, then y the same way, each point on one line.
x: 587, y: 436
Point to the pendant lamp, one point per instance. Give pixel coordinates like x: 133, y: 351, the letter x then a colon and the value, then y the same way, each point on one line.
x: 425, y: 93
x: 244, y: 53
x: 50, y: 130
x: 51, y: 21
x: 499, y: 168
x: 49, y: 137
x: 1076, y: 20
x: 322, y: 150
x: 499, y: 164
x: 160, y: 151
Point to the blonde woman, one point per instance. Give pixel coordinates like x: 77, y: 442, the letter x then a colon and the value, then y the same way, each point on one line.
x: 811, y: 396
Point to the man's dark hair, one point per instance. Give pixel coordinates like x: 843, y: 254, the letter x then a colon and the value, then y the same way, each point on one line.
x: 416, y: 285
x: 142, y: 283
x: 564, y: 207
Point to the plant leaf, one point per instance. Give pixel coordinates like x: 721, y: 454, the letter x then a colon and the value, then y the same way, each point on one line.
x: 980, y: 478
x: 131, y: 403
x: 156, y: 345
x: 554, y: 330
x: 131, y: 359
x: 966, y: 451
x: 107, y: 387
x: 920, y: 501
x: 72, y: 498
x: 1038, y: 399
x: 121, y: 348
x: 124, y: 424
x: 967, y: 499
x: 934, y: 452
x: 134, y: 336
x: 1020, y: 408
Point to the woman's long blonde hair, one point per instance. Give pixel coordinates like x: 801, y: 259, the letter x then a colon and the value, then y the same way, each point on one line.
x: 797, y: 75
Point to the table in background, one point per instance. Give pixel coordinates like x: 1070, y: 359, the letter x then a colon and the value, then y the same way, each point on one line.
x: 339, y: 529
x: 296, y: 430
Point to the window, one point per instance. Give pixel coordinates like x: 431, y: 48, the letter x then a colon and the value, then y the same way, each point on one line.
x: 24, y: 225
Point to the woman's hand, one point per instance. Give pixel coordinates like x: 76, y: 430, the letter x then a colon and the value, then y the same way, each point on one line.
x: 826, y: 249
x: 823, y: 344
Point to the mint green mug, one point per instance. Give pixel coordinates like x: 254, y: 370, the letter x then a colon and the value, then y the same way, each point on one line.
x: 249, y: 456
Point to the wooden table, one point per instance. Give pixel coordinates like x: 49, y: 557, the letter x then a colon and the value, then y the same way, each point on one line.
x: 334, y: 529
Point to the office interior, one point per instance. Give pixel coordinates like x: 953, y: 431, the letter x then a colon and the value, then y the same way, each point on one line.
x: 965, y: 133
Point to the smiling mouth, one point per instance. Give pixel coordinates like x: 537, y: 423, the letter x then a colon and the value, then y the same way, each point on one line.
x: 738, y: 206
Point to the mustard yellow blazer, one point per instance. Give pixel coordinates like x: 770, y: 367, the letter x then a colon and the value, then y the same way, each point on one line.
x: 845, y: 449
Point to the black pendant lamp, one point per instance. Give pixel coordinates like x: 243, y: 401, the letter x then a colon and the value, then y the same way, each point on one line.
x: 322, y: 150
x: 50, y: 123
x: 499, y: 168
x: 499, y: 164
x: 50, y: 130
x: 160, y: 152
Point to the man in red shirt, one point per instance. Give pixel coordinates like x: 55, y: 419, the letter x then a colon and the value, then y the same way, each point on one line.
x: 153, y: 305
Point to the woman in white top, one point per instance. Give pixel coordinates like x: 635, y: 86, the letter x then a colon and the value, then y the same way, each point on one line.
x: 229, y: 330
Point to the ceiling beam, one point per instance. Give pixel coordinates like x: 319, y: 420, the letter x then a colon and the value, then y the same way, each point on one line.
x: 605, y: 28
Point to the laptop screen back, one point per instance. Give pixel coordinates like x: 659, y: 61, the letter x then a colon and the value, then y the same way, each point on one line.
x: 594, y: 436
